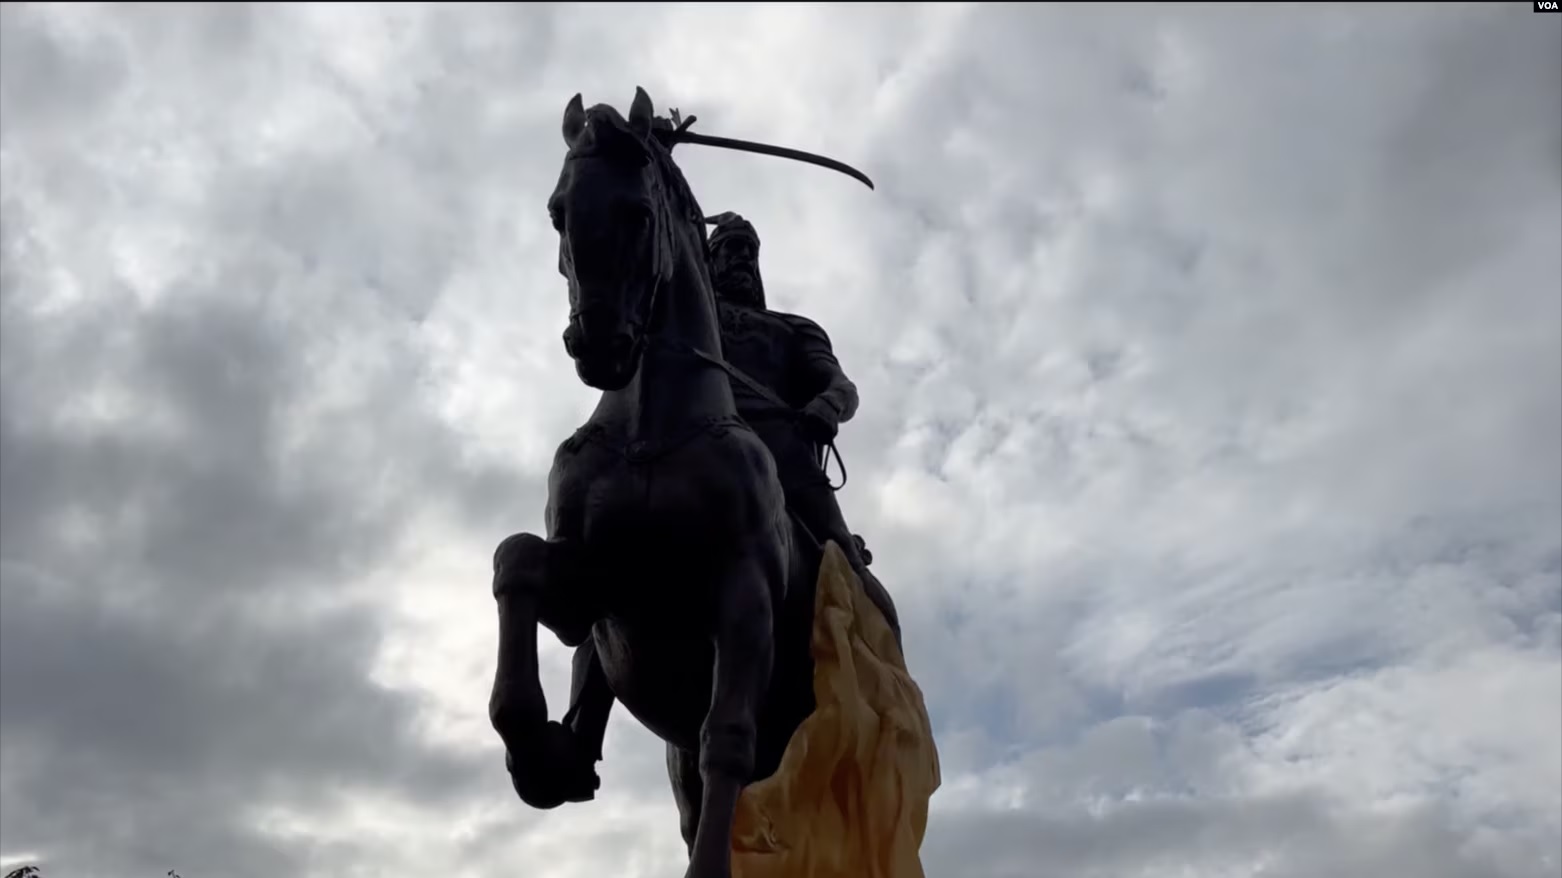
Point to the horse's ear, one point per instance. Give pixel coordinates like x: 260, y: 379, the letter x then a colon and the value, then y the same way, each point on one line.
x: 641, y: 114
x: 574, y: 120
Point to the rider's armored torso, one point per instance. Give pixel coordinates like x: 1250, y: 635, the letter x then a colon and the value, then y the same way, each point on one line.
x: 763, y: 345
x: 784, y: 353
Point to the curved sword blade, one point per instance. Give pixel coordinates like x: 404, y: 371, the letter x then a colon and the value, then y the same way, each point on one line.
x: 766, y: 149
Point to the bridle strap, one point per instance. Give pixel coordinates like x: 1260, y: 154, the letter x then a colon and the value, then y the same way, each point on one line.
x: 762, y: 392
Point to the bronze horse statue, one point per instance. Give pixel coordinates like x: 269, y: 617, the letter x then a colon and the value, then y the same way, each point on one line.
x: 669, y: 543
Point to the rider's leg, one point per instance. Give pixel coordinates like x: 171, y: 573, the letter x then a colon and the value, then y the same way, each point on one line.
x: 879, y: 595
x: 816, y: 505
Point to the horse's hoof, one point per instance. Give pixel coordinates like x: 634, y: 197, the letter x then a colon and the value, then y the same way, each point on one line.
x: 552, y: 768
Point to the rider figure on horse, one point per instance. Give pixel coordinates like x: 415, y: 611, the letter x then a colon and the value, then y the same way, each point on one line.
x: 791, y: 356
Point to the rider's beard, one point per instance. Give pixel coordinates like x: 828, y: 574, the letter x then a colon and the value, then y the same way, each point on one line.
x: 738, y: 283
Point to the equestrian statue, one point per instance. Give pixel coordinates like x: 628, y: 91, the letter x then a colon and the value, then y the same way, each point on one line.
x: 695, y: 558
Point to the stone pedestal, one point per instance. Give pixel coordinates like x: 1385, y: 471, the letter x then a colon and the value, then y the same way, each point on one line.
x: 851, y: 797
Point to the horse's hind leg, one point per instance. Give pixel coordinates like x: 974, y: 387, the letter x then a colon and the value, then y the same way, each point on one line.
x: 683, y: 770
x: 744, y: 641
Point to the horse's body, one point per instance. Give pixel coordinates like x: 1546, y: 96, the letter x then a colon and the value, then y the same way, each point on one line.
x: 668, y: 542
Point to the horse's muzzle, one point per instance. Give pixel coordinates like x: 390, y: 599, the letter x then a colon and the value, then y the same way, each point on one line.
x: 606, y: 363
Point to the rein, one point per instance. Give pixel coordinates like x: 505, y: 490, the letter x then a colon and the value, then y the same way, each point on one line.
x: 764, y: 393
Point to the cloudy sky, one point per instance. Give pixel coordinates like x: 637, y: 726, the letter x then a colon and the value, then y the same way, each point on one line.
x: 1211, y: 437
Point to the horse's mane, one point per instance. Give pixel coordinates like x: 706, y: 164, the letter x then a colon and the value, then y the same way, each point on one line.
x: 682, y: 205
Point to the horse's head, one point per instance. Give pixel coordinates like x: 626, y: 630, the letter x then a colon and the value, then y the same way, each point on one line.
x: 612, y: 214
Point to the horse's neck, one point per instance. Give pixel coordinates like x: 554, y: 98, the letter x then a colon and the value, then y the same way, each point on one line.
x: 673, y: 389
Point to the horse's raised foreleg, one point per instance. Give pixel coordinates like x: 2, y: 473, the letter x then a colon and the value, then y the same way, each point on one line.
x: 745, y: 647
x: 548, y: 766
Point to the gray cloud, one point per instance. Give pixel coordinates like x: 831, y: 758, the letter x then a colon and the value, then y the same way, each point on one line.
x: 140, y: 739
x: 1291, y: 836
x: 193, y: 483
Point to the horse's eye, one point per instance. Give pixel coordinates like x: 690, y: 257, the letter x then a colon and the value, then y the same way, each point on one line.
x: 637, y: 216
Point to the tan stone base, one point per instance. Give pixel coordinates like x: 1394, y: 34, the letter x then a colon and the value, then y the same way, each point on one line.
x: 851, y: 797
